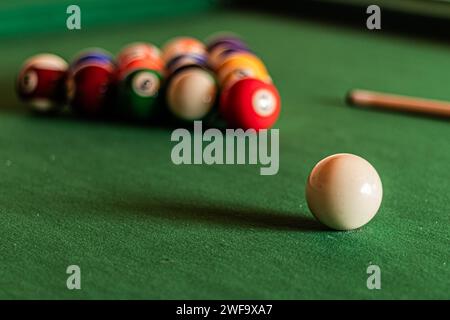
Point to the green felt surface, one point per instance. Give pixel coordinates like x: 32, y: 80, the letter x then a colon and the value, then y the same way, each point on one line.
x: 45, y: 16
x: 106, y: 196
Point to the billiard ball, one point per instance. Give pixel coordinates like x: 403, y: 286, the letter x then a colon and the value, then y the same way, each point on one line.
x: 227, y: 43
x: 221, y: 52
x: 90, y: 86
x: 140, y: 63
x: 184, y: 60
x: 344, y: 191
x: 241, y: 61
x: 221, y: 38
x: 224, y: 106
x: 139, y: 93
x: 139, y: 50
x: 139, y: 78
x: 92, y: 55
x: 251, y: 103
x: 182, y: 45
x: 145, y: 63
x: 136, y: 53
x: 245, y: 72
x: 41, y: 83
x: 191, y: 93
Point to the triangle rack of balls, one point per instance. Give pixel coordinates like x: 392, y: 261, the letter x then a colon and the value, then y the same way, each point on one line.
x: 221, y: 82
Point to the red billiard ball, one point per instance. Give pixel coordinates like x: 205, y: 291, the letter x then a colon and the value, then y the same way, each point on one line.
x: 90, y: 86
x: 252, y: 103
x: 224, y: 110
x: 41, y: 82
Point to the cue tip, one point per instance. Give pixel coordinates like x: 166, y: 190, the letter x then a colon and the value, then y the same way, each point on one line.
x: 360, y: 97
x: 349, y: 97
x: 352, y: 96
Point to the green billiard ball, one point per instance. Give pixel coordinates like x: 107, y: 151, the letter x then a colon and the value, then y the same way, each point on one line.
x: 139, y: 93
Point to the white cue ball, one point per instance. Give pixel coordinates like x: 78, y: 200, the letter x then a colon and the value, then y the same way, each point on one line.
x: 344, y: 191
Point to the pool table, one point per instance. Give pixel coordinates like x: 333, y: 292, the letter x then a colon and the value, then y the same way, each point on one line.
x: 106, y: 196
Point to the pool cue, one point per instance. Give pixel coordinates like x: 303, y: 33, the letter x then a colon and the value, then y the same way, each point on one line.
x: 365, y: 98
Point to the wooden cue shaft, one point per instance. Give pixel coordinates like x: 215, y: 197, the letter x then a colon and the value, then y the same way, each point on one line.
x: 365, y: 98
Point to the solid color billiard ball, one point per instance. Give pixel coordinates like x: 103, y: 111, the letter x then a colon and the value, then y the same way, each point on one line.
x: 224, y: 106
x: 251, y: 103
x: 182, y: 45
x: 90, y: 87
x: 137, y: 54
x: 41, y: 82
x: 140, y: 64
x: 139, y: 93
x: 344, y: 191
x: 191, y: 93
x: 245, y: 72
x: 146, y: 63
x: 241, y: 61
x: 240, y: 58
x: 139, y: 50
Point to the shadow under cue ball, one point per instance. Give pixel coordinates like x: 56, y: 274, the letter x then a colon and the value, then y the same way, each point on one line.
x: 344, y: 191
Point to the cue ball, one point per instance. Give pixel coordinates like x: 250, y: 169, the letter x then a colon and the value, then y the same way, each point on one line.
x: 344, y: 191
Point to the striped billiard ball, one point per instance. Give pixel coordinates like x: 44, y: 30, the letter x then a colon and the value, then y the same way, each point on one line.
x: 41, y: 83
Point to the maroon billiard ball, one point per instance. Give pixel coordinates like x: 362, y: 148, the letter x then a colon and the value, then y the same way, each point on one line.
x: 90, y: 87
x: 41, y: 82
